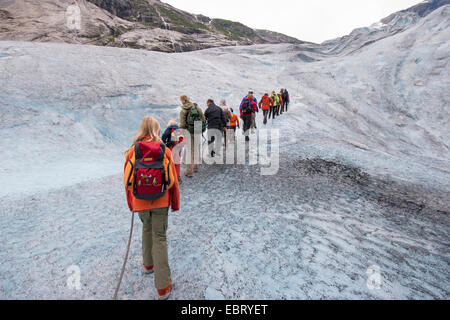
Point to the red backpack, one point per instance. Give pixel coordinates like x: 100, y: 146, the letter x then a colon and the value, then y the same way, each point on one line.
x: 149, y: 176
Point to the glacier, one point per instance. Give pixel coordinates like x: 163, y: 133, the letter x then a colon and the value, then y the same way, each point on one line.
x: 364, y: 176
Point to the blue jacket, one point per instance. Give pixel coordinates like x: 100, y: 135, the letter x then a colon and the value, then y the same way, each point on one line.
x: 167, y: 135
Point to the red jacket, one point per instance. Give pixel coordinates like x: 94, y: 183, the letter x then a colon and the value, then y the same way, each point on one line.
x: 265, y: 102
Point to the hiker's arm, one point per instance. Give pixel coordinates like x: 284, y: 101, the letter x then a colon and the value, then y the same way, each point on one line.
x: 174, y: 192
x: 128, y: 192
x: 202, y: 114
x: 165, y: 136
x: 222, y: 118
x: 206, y: 116
x: 183, y: 119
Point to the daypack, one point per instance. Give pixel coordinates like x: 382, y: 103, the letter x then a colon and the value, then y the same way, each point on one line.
x: 148, y: 173
x: 275, y: 99
x: 280, y: 99
x: 192, y: 117
x: 176, y: 137
x: 247, y: 107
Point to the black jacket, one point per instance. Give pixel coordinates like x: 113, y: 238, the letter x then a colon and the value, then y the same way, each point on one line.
x: 285, y: 96
x: 215, y: 117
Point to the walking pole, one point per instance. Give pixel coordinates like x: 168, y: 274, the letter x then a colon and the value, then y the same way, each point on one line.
x: 126, y: 258
x: 203, y: 146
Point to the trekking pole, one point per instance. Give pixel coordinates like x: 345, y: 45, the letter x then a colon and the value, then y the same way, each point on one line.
x: 204, y: 140
x: 126, y: 258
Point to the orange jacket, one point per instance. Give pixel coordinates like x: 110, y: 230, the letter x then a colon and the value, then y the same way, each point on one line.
x: 281, y: 98
x: 170, y: 199
x: 265, y: 102
x: 234, y: 121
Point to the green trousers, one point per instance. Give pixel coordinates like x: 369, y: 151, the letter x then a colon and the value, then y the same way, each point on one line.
x: 154, y: 244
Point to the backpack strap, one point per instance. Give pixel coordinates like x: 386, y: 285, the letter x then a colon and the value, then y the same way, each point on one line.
x: 163, y: 152
x: 137, y: 151
x: 189, y: 113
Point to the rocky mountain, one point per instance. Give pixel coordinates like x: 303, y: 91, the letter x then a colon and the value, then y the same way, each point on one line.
x: 140, y: 24
x: 389, y: 26
x: 422, y: 9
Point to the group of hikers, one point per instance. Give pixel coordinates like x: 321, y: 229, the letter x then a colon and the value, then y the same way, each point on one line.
x: 152, y: 174
x: 272, y: 106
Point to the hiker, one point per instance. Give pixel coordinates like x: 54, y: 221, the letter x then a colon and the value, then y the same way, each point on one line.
x: 253, y: 121
x: 273, y: 106
x: 286, y: 99
x: 216, y: 125
x: 228, y: 115
x: 280, y: 104
x: 264, y: 105
x: 173, y: 138
x: 148, y: 149
x: 247, y: 108
x: 234, y: 122
x: 190, y: 115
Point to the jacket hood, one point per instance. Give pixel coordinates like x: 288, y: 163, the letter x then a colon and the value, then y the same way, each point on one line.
x: 188, y: 105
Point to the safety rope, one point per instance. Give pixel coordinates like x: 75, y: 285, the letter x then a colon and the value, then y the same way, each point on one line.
x: 126, y: 258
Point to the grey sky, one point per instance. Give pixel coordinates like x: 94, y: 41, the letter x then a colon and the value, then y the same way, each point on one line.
x: 309, y: 20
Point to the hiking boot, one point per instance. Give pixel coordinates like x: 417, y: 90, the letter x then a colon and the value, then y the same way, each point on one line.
x: 189, y: 175
x: 165, y: 293
x: 195, y: 169
x: 149, y: 270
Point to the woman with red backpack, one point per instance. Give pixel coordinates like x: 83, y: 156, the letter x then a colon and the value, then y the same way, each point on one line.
x: 152, y: 188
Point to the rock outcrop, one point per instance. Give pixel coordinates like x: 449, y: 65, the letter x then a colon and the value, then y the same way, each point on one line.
x: 140, y: 24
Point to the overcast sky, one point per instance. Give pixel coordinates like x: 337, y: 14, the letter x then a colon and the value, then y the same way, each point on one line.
x: 308, y: 20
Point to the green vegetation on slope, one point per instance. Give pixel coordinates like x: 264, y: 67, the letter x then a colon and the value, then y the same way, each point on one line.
x: 177, y: 19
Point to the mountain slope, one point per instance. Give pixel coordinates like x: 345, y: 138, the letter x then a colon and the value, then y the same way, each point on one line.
x: 139, y: 24
x: 387, y: 27
x: 422, y: 9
